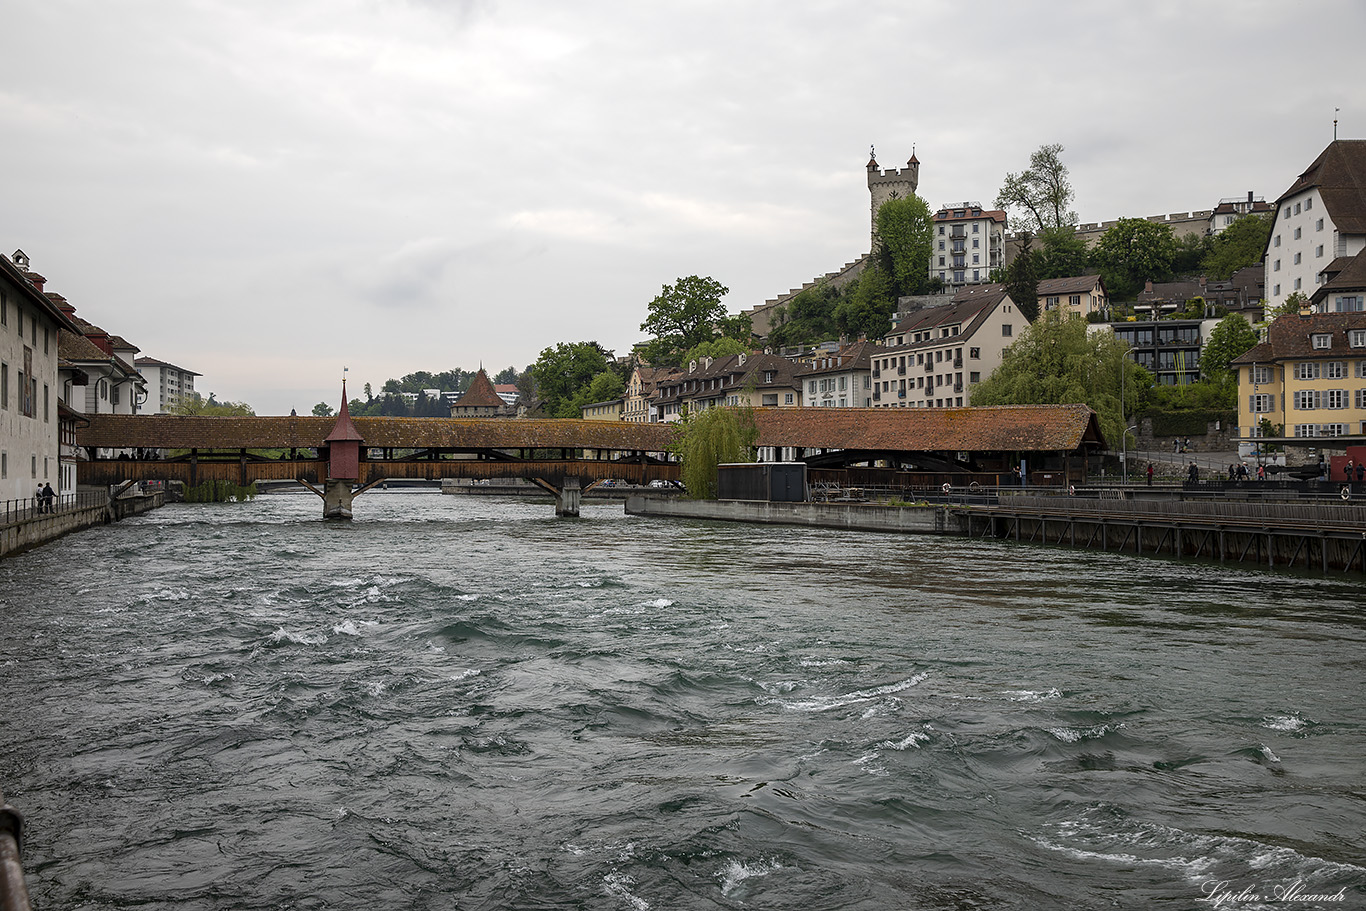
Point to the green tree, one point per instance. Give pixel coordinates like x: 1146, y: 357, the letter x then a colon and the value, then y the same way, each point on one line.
x: 905, y: 240
x: 322, y: 410
x: 809, y: 317
x: 1063, y: 253
x: 1291, y: 306
x: 605, y: 387
x: 717, y: 348
x: 739, y: 327
x: 1191, y: 251
x: 683, y: 314
x: 506, y: 375
x: 710, y: 438
x: 1241, y: 244
x: 196, y: 404
x: 1022, y: 279
x: 1039, y: 197
x: 1056, y: 361
x: 560, y: 373
x: 1131, y: 252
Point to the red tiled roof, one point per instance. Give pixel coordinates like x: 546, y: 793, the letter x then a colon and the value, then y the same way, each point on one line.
x: 1291, y: 336
x: 999, y: 428
x: 481, y: 394
x: 1074, y: 285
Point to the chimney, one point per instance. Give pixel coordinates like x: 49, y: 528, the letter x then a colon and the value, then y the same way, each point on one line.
x: 1249, y: 197
x: 1148, y: 286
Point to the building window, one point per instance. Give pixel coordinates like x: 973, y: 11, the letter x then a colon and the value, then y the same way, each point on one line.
x: 1335, y: 370
x: 1318, y: 225
x: 788, y: 399
x: 975, y: 227
x: 1318, y: 251
x: 1006, y: 329
x: 1261, y: 375
x: 1261, y: 403
x: 1276, y: 266
x: 1276, y: 241
x: 1335, y: 398
x: 1357, y: 338
x: 1322, y: 340
x: 1308, y: 203
x: 1307, y: 399
x: 33, y: 465
x: 1297, y: 284
x: 1297, y: 259
x: 1297, y: 233
x: 1307, y: 370
x: 4, y: 386
x: 1297, y: 208
x: 976, y: 258
x: 1277, y: 291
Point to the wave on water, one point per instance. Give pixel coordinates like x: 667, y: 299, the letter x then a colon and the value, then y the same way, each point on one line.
x: 826, y: 703
x: 1033, y: 695
x: 1103, y: 834
x: 618, y: 885
x: 283, y: 636
x: 1290, y: 724
x: 352, y: 628
x: 736, y: 872
x: 1073, y: 735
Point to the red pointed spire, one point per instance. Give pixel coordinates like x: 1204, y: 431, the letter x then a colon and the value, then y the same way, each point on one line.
x: 343, y: 429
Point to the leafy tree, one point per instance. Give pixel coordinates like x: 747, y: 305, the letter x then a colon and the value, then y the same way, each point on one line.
x: 1241, y: 244
x: 683, y: 314
x: 1191, y: 251
x: 1039, y: 196
x: 560, y: 373
x: 605, y: 387
x: 739, y: 327
x: 322, y: 410
x: 721, y: 347
x: 1056, y: 361
x: 1022, y: 279
x: 1063, y: 253
x: 710, y: 438
x: 809, y: 317
x: 1132, y: 252
x: 506, y: 375
x: 905, y: 238
x: 196, y: 404
x: 1291, y: 306
x: 368, y: 395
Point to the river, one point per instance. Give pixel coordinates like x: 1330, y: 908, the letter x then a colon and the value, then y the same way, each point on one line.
x: 460, y: 702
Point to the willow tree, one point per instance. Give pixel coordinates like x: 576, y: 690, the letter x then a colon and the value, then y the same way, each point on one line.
x: 1056, y: 361
x: 714, y: 437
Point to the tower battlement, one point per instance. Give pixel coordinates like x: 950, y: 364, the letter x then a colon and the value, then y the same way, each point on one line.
x: 892, y: 183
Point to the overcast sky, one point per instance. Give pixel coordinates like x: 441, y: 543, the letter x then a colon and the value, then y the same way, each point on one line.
x: 264, y: 192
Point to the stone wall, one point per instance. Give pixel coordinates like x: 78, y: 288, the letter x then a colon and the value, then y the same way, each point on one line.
x: 922, y: 520
x: 20, y: 536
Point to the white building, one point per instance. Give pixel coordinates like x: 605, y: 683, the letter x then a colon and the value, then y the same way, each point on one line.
x: 840, y: 379
x: 1321, y: 218
x: 934, y: 357
x: 167, y: 384
x: 29, y: 394
x: 969, y: 242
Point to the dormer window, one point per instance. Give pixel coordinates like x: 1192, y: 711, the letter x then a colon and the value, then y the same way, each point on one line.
x: 1322, y: 340
x: 768, y: 376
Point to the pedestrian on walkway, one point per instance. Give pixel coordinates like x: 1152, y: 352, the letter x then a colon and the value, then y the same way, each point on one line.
x: 1192, y: 473
x: 49, y: 495
x: 1150, y: 474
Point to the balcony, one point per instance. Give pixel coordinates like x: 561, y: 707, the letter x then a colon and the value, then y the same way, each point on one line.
x: 957, y: 387
x: 958, y: 363
x: 901, y: 393
x: 901, y: 371
x: 877, y: 395
x: 929, y: 366
x: 877, y: 373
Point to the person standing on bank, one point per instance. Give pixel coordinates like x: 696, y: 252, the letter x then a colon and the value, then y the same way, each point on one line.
x: 49, y: 495
x: 1150, y: 474
x: 1193, y: 473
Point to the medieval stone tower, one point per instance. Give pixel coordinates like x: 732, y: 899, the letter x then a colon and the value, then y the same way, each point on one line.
x: 884, y: 185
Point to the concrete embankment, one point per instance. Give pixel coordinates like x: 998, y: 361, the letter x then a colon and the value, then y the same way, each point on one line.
x: 44, y: 527
x: 855, y: 516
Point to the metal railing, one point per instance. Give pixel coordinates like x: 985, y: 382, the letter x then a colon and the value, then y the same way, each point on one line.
x: 30, y: 508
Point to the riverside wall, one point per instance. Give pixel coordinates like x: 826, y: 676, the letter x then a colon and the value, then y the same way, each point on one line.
x: 42, y: 528
x: 853, y: 516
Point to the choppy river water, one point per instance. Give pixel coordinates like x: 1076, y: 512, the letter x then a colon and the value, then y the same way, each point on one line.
x: 466, y: 703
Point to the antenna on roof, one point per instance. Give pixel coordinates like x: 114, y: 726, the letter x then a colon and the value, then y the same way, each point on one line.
x: 1335, y: 123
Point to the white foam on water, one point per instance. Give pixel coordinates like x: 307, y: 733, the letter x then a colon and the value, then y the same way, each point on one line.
x: 374, y: 688
x: 1032, y: 695
x: 822, y: 662
x: 826, y: 703
x: 1289, y: 723
x: 1072, y: 735
x: 284, y: 635
x: 778, y: 687
x: 913, y: 739
x: 1191, y: 868
x: 465, y: 675
x: 618, y: 885
x: 352, y: 628
x: 659, y: 602
x: 467, y: 597
x: 165, y: 594
x: 736, y: 873
x: 1266, y: 751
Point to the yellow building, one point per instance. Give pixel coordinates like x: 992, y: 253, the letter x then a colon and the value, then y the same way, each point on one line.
x: 602, y: 411
x: 1308, y: 379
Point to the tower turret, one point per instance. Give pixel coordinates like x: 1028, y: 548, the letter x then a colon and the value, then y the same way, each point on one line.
x: 885, y: 185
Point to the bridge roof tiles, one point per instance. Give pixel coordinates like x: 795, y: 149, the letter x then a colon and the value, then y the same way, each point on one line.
x: 1001, y: 428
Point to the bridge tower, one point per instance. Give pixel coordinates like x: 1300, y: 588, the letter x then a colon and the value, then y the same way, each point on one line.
x: 343, y: 464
